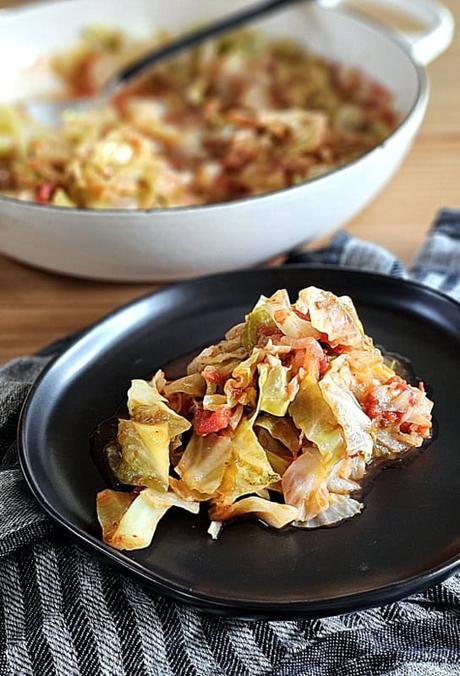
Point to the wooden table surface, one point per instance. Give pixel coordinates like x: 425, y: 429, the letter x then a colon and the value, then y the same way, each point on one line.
x: 37, y: 307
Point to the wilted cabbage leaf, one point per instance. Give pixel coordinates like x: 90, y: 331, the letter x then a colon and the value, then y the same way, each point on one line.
x: 331, y: 315
x: 281, y: 429
x: 305, y: 484
x: 203, y: 464
x: 129, y: 520
x: 257, y: 318
x: 146, y: 405
x: 194, y: 385
x: 314, y: 417
x: 144, y: 459
x: 340, y: 507
x: 249, y: 469
x: 354, y: 422
x: 288, y: 321
x: 273, y: 514
x: 274, y: 397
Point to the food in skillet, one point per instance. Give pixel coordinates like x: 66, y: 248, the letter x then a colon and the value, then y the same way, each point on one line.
x: 240, y: 116
x: 280, y: 421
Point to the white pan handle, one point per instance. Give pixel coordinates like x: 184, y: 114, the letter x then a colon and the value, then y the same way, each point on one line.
x: 437, y: 36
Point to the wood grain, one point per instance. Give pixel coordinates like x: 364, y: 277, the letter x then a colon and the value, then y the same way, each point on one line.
x: 37, y: 307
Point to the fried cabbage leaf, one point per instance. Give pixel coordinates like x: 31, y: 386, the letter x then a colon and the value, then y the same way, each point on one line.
x: 334, y: 316
x: 356, y: 425
x: 313, y: 416
x: 340, y: 507
x: 129, y: 520
x: 249, y: 469
x: 273, y: 514
x: 144, y: 459
x: 203, y: 463
x: 274, y: 396
x: 146, y: 405
x: 305, y: 484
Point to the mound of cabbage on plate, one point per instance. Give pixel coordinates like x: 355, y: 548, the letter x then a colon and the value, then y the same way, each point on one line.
x: 280, y: 421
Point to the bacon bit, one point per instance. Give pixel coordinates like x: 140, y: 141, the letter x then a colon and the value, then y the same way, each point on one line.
x: 390, y: 418
x: 215, y: 377
x: 410, y: 428
x: 208, y: 422
x: 372, y: 409
x: 45, y: 191
x: 371, y: 406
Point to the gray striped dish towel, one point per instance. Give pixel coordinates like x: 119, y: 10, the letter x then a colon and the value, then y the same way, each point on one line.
x: 63, y: 612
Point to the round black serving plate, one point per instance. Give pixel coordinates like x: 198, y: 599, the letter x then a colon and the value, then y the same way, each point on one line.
x: 406, y: 539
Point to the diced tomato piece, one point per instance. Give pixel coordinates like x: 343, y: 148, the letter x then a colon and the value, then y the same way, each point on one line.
x: 391, y: 418
x: 371, y: 406
x: 208, y: 422
x: 45, y: 191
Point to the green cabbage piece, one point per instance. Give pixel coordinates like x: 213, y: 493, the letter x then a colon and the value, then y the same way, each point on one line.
x: 258, y: 317
x: 146, y: 405
x: 355, y: 424
x: 129, y: 520
x: 273, y: 389
x: 144, y: 459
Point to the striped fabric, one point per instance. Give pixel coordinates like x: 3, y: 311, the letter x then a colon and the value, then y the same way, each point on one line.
x: 64, y: 612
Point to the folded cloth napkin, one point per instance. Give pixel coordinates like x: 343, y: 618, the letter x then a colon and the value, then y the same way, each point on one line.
x: 64, y: 612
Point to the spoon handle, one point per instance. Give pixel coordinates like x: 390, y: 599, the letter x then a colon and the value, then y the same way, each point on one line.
x: 193, y: 39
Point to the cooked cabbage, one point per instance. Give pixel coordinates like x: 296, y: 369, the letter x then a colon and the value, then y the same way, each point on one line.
x: 129, y: 521
x: 281, y: 421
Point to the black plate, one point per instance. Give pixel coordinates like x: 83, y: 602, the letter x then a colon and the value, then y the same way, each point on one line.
x: 408, y: 536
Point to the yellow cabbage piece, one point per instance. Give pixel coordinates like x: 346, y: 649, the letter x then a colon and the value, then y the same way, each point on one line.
x: 335, y: 316
x: 278, y: 455
x: 272, y: 513
x: 129, y: 520
x: 146, y: 405
x: 259, y: 316
x: 281, y: 429
x: 203, y: 463
x: 273, y: 389
x: 249, y: 469
x: 305, y: 484
x: 313, y: 416
x: 193, y: 385
x: 286, y: 319
x: 355, y: 424
x: 144, y: 457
